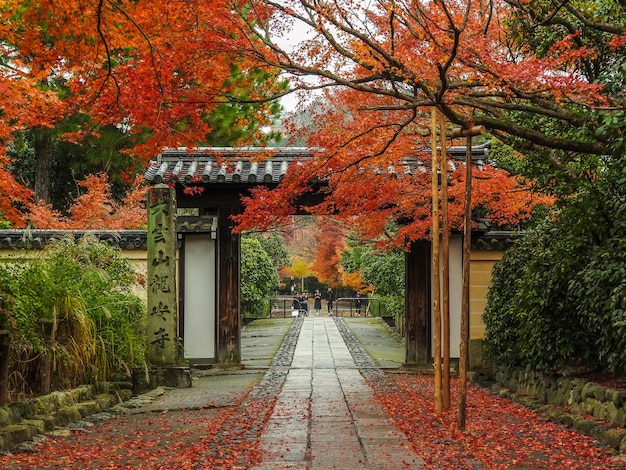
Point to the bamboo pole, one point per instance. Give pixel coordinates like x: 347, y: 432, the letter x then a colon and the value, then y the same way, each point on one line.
x: 435, y: 264
x: 467, y: 235
x: 445, y: 268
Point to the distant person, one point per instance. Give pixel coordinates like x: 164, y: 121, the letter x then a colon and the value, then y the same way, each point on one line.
x: 296, y: 305
x: 317, y: 305
x: 304, y: 303
x: 330, y: 298
x: 358, y: 302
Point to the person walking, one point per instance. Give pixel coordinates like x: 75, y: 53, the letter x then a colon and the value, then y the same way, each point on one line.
x: 358, y: 302
x: 304, y: 304
x: 330, y: 297
x: 317, y: 304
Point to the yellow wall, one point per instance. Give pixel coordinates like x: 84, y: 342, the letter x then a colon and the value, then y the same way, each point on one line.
x: 481, y: 264
x: 137, y: 257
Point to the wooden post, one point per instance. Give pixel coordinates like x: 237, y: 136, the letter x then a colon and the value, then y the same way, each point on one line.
x: 418, y: 304
x: 50, y: 330
x: 467, y: 235
x: 435, y: 265
x: 445, y: 266
x: 229, y: 289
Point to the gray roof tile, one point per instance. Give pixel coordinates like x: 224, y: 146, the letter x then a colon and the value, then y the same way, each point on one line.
x: 266, y: 165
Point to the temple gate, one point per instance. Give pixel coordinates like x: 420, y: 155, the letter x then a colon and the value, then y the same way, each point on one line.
x: 209, y: 322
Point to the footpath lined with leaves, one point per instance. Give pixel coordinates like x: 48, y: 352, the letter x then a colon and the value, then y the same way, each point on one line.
x: 206, y: 438
x: 500, y: 434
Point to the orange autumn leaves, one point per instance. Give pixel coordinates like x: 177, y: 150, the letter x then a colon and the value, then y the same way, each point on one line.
x: 392, y: 207
x: 153, y: 69
x: 95, y: 209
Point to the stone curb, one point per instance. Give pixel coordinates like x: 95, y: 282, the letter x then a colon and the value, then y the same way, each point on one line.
x: 48, y: 414
x: 605, y: 432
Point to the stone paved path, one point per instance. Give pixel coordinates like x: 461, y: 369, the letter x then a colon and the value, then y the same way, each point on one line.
x: 326, y: 416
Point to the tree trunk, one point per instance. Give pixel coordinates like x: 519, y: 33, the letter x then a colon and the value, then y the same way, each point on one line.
x: 50, y: 328
x: 43, y: 164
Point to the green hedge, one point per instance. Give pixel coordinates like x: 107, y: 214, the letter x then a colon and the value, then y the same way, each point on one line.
x: 558, y: 298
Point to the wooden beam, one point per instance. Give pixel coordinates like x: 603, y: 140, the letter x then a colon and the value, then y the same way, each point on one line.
x: 435, y: 261
x: 465, y: 299
x: 445, y: 268
x: 468, y: 132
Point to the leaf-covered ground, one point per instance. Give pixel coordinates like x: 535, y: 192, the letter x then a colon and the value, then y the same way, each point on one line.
x: 500, y: 434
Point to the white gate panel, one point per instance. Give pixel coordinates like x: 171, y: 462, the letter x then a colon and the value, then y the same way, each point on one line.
x: 199, y: 294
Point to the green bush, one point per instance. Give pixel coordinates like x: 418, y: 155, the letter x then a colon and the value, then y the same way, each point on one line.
x: 71, y: 306
x: 382, y: 270
x: 385, y: 271
x: 557, y: 299
x: 259, y: 278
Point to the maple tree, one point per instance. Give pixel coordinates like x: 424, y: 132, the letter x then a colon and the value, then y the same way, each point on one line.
x: 95, y: 208
x: 328, y: 247
x: 402, y: 57
x: 150, y: 66
x: 154, y: 70
x: 373, y: 201
x: 384, y: 66
x: 299, y: 268
x: 11, y: 196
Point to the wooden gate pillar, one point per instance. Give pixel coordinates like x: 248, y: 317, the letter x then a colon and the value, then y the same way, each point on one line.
x: 229, y: 289
x: 417, y: 303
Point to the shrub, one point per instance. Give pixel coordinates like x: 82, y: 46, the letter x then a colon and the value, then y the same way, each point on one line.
x: 71, y: 308
x: 259, y: 278
x: 557, y: 299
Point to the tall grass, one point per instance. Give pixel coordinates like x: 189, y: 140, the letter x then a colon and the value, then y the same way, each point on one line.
x: 71, y: 316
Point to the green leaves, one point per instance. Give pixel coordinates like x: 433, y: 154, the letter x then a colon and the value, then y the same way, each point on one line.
x: 259, y: 278
x: 557, y: 298
x: 85, y: 290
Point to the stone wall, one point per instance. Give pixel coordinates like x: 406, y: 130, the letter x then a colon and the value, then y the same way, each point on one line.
x: 579, y: 403
x: 23, y: 420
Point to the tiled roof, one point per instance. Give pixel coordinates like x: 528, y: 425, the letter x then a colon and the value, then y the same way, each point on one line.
x: 124, y: 239
x: 494, y: 240
x: 252, y: 165
x: 482, y: 238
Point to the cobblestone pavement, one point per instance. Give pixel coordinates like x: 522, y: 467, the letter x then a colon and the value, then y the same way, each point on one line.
x: 326, y: 416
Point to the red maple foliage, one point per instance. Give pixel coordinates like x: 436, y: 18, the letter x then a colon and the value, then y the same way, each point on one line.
x: 14, y: 197
x: 95, y: 209
x: 500, y: 434
x: 155, y: 68
x: 329, y: 243
x: 370, y: 194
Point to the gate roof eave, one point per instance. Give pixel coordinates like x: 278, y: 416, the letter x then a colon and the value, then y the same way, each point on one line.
x: 267, y: 165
